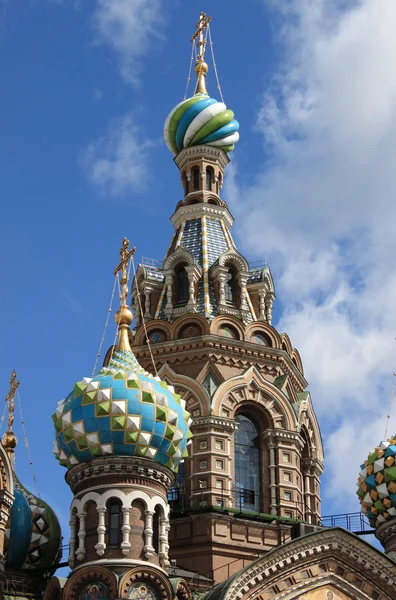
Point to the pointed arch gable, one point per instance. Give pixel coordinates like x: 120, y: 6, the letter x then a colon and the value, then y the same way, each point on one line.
x: 274, y: 395
x: 197, y: 390
x: 177, y: 256
x: 307, y: 418
x: 296, y: 358
x: 233, y: 257
x: 286, y: 341
x: 330, y: 548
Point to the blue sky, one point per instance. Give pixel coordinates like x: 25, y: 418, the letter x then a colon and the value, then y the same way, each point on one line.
x: 86, y: 87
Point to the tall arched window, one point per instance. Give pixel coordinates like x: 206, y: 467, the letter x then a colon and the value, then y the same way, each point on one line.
x: 209, y: 178
x: 196, y: 178
x: 114, y: 510
x: 181, y: 285
x: 156, y: 518
x: 247, y: 464
x: 230, y: 286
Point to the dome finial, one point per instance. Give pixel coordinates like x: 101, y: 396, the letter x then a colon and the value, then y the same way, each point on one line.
x: 123, y: 316
x: 9, y: 440
x: 201, y: 68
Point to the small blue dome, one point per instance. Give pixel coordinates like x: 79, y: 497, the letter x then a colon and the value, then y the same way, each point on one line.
x: 123, y: 411
x: 33, y: 535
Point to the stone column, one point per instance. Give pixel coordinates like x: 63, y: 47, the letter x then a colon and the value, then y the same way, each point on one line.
x: 272, y: 470
x: 222, y: 299
x: 190, y: 270
x: 126, y: 530
x: 268, y: 307
x: 386, y: 534
x: 148, y: 534
x: 242, y: 283
x: 80, y: 552
x: 169, y: 294
x: 307, y: 498
x: 136, y: 307
x: 147, y: 302
x: 163, y: 542
x: 262, y: 316
x: 100, y: 547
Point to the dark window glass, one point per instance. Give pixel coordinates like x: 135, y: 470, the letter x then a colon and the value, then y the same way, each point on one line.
x: 181, y: 286
x: 247, y: 464
x: 230, y: 286
x: 156, y: 532
x: 208, y: 179
x: 196, y: 178
x: 114, y: 525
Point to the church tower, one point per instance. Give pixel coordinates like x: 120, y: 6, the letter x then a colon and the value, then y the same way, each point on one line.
x: 204, y: 323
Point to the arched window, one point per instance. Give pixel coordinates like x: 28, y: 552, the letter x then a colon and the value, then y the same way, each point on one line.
x: 230, y: 286
x: 156, y: 518
x: 209, y: 178
x: 196, y: 178
x: 247, y: 464
x: 181, y: 285
x: 114, y: 510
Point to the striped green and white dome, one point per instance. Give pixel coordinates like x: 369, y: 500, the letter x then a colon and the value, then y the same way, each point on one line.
x: 201, y: 120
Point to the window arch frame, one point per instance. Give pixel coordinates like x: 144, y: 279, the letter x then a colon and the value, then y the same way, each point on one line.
x: 230, y: 285
x: 182, y: 294
x: 114, y: 530
x: 244, y: 491
x: 195, y: 178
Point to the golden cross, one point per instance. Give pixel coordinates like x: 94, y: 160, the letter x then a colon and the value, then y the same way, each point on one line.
x: 203, y: 22
x: 10, y: 399
x: 125, y: 255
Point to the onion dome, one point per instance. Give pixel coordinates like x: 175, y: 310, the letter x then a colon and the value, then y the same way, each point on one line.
x: 124, y: 410
x: 201, y: 120
x: 377, y: 483
x: 33, y: 535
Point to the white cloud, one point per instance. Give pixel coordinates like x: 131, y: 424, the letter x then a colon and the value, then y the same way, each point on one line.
x: 327, y: 202
x: 117, y: 163
x: 127, y: 26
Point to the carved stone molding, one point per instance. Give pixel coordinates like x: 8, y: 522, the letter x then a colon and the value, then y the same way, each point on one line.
x: 87, y: 575
x: 146, y: 575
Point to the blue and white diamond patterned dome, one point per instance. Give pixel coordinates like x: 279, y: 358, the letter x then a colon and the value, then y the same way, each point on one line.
x: 33, y: 534
x: 122, y: 411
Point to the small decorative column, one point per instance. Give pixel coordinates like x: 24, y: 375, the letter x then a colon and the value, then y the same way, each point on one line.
x: 100, y: 547
x: 135, y: 305
x: 191, y: 272
x: 272, y: 470
x: 307, y: 498
x: 222, y: 299
x: 163, y: 542
x: 148, y: 535
x: 242, y: 283
x: 169, y: 294
x: 147, y: 302
x: 80, y: 552
x: 262, y: 316
x: 72, y: 542
x: 268, y: 307
x: 126, y: 530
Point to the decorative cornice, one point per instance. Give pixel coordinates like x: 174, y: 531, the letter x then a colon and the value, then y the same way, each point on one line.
x: 213, y: 421
x: 120, y: 466
x: 196, y: 211
x: 201, y: 152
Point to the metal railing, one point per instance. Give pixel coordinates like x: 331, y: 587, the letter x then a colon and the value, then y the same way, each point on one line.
x: 260, y: 264
x: 151, y: 262
x: 354, y: 522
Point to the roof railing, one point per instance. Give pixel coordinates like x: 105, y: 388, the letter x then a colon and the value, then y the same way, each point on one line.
x: 260, y: 264
x: 151, y: 262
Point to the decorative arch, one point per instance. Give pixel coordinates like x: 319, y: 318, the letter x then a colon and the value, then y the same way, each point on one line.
x: 187, y: 319
x: 192, y: 386
x: 180, y: 255
x: 307, y: 419
x: 233, y: 257
x: 89, y: 574
x: 333, y: 556
x: 53, y: 589
x: 126, y: 499
x: 265, y: 328
x: 220, y: 321
x: 140, y: 336
x: 232, y: 393
x: 213, y: 200
x: 286, y: 344
x: 146, y: 574
x: 296, y: 358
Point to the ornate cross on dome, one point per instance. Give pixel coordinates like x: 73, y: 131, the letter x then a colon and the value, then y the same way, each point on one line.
x: 125, y: 255
x: 203, y: 22
x: 9, y: 439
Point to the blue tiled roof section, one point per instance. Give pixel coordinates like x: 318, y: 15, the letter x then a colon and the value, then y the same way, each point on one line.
x: 174, y: 240
x: 192, y: 239
x: 217, y: 243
